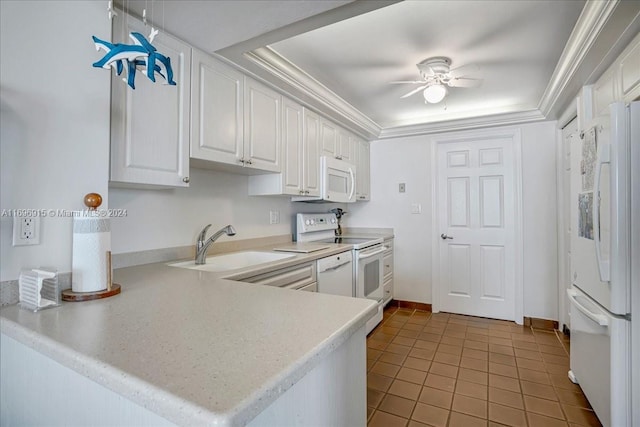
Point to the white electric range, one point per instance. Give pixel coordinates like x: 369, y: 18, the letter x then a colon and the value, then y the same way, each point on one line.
x: 367, y: 255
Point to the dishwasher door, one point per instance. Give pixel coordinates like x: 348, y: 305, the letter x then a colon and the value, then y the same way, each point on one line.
x: 335, y: 274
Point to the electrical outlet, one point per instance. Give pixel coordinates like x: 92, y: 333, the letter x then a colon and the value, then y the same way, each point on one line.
x: 26, y: 231
x: 401, y: 187
x: 274, y: 217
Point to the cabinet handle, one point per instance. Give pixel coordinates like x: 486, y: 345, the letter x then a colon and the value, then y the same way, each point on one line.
x: 241, y: 160
x: 301, y: 192
x: 339, y: 157
x: 306, y: 191
x: 186, y: 180
x: 249, y: 162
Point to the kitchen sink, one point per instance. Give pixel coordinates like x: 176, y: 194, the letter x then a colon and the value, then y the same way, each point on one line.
x: 233, y: 261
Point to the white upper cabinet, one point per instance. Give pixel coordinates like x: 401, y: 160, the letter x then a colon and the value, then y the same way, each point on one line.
x: 328, y: 138
x: 235, y: 120
x: 262, y: 122
x: 217, y: 118
x: 292, y: 148
x: 344, y: 146
x: 363, y: 172
x: 150, y: 125
x: 311, y: 154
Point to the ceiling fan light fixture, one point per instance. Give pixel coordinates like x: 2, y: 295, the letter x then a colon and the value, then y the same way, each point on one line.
x: 435, y: 93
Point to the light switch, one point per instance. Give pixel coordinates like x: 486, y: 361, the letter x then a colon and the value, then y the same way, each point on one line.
x: 401, y: 187
x: 416, y: 208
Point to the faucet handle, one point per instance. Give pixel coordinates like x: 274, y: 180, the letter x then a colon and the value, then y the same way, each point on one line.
x: 203, y: 233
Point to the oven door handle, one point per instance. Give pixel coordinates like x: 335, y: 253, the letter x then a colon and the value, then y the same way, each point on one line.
x: 372, y: 253
x: 600, y: 319
x: 335, y: 267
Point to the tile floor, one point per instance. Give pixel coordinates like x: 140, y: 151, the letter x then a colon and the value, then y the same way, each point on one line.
x: 451, y: 370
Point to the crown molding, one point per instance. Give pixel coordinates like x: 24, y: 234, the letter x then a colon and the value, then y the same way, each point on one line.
x: 591, y: 22
x: 492, y: 120
x: 294, y: 76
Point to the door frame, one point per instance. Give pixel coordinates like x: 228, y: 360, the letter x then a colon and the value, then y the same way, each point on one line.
x: 473, y: 136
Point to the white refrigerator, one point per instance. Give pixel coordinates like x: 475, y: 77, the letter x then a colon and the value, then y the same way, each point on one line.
x: 605, y: 264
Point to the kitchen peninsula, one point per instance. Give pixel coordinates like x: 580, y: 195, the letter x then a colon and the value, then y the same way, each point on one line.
x: 188, y: 347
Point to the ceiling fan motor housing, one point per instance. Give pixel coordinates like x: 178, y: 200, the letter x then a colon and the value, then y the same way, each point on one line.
x: 434, y: 66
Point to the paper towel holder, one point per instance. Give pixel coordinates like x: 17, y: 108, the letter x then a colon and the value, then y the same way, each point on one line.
x: 92, y: 201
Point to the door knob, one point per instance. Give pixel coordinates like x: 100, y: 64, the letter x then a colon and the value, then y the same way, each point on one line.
x: 444, y: 236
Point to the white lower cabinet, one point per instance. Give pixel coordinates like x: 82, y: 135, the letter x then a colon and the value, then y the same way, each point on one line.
x: 388, y: 271
x: 235, y: 120
x: 150, y: 125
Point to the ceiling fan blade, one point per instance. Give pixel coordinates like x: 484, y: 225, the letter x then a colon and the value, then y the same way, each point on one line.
x: 413, y: 92
x: 399, y: 82
x: 464, y: 82
x: 463, y: 70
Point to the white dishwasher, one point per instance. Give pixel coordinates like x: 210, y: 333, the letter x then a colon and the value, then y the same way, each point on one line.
x: 335, y: 274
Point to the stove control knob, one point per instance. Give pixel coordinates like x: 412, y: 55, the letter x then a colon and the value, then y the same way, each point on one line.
x: 313, y: 221
x: 307, y: 222
x: 333, y: 220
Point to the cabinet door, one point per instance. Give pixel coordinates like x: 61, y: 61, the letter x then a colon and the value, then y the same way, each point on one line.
x: 363, y: 171
x: 311, y: 154
x: 343, y: 146
x: 216, y: 112
x: 328, y: 138
x: 262, y: 109
x: 292, y: 148
x: 150, y: 125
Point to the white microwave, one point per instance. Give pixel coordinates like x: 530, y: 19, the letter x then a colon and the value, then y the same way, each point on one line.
x: 337, y: 182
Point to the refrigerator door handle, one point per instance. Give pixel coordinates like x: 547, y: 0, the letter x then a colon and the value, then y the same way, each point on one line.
x: 604, y: 156
x: 600, y: 319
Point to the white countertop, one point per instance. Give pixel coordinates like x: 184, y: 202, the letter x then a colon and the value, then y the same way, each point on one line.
x: 191, y: 346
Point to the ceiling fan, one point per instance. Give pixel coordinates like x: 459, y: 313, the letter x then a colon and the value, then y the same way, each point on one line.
x: 438, y: 76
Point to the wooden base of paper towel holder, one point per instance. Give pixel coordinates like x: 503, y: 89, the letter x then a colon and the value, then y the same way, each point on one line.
x: 69, y: 295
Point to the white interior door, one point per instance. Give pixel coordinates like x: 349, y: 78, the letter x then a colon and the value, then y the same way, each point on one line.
x: 478, y: 254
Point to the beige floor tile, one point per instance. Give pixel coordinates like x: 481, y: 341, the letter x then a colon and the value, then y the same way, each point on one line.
x: 430, y: 415
x: 581, y: 416
x: 374, y: 397
x: 558, y: 351
x: 537, y: 420
x: 543, y: 406
x: 562, y: 381
x: 477, y: 337
x: 381, y: 336
x: 471, y: 389
x: 557, y: 359
x: 526, y: 345
x: 538, y: 390
x: 373, y: 354
x: 452, y: 341
x: 502, y: 358
x: 411, y: 375
x: 457, y: 419
x: 408, y: 333
x: 375, y: 344
x: 528, y: 354
x: 473, y: 376
x: 444, y: 369
x: 415, y: 363
x: 450, y: 349
x: 436, y: 397
x: 422, y: 353
x: 507, y: 416
x: 370, y: 412
x: 405, y: 389
x: 505, y: 383
x: 501, y: 349
x: 378, y: 382
x: 426, y: 345
x: 477, y: 345
x: 412, y: 327
x: 389, y: 330
x: 450, y: 359
x: 382, y: 419
x: 500, y: 369
x: 506, y: 342
x: 429, y: 336
x: 413, y: 423
x: 552, y: 368
x: 395, y: 359
x: 506, y: 398
x: 387, y: 369
x: 398, y: 349
x: 475, y: 354
x: 469, y: 405
x: 395, y: 322
x: 572, y: 398
x: 475, y: 364
x: 534, y: 365
x: 440, y: 382
x: 533, y: 376
x: 404, y: 341
x: 397, y: 405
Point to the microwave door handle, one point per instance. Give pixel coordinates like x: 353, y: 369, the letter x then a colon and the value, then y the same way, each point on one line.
x: 353, y: 183
x: 602, y: 158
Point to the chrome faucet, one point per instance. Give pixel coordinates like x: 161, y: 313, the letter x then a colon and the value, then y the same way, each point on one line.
x: 202, y: 247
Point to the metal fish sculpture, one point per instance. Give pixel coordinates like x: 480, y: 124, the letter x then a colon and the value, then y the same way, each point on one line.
x: 141, y: 55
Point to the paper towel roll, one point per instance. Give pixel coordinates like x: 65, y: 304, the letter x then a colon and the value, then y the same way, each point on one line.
x: 91, y: 241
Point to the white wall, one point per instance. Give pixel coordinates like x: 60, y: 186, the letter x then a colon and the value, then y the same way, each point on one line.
x: 169, y: 218
x: 408, y: 160
x: 54, y: 134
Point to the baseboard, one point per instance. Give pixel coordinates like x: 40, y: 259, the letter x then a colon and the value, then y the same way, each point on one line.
x: 534, y: 322
x: 410, y: 305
